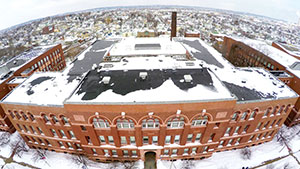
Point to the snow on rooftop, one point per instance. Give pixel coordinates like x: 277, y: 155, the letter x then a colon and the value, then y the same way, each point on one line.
x: 167, y: 92
x: 148, y: 63
x: 256, y: 79
x: 127, y: 47
x: 47, y: 88
x: 279, y: 56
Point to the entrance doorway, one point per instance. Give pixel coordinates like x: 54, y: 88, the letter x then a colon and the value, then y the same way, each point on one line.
x: 150, y: 160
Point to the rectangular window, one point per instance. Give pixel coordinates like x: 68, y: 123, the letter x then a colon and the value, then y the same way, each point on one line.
x: 174, y: 151
x: 186, y: 151
x: 83, y: 128
x: 228, y: 130
x: 154, y: 139
x: 61, y: 144
x: 72, y: 134
x: 238, y: 140
x: 123, y: 140
x: 53, y: 132
x: 168, y: 139
x: 62, y: 133
x: 40, y: 130
x: 177, y: 139
x: 189, y: 137
x: 69, y: 145
x: 205, y: 148
x: 106, y: 152
x: 88, y: 139
x: 251, y: 138
x: 125, y: 152
x: 229, y: 142
x: 102, y: 139
x: 114, y: 152
x: 146, y: 140
x: 194, y: 149
x: 198, y: 137
x: 110, y: 139
x: 236, y: 129
x: 258, y: 126
x: 32, y: 129
x: 246, y: 128
x: 166, y: 152
x: 133, y: 152
x: 221, y: 143
x: 132, y: 140
x: 212, y: 137
x: 94, y: 151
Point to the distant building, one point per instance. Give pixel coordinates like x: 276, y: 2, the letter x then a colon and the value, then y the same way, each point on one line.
x: 48, y: 29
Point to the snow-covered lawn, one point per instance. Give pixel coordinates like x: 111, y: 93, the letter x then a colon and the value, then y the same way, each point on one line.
x: 221, y: 160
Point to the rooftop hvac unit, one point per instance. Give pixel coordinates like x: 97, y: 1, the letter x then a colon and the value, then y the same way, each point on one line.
x: 106, y: 79
x: 188, y: 78
x: 143, y: 75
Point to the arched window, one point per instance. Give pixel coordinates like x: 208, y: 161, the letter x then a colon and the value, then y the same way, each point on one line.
x: 267, y: 112
x: 11, y: 114
x: 150, y: 123
x: 31, y: 117
x: 24, y: 116
x: 200, y: 121
x: 235, y: 116
x: 280, y: 110
x: 244, y: 115
x: 65, y: 120
x: 46, y: 119
x: 125, y: 123
x: 17, y: 115
x: 54, y: 119
x: 175, y: 122
x: 287, y: 108
x: 100, y: 123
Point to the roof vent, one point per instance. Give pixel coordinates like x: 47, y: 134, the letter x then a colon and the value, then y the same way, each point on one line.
x: 188, y: 78
x: 106, y: 79
x: 143, y: 75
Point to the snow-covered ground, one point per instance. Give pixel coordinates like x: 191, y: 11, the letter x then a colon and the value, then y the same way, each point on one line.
x: 221, y: 160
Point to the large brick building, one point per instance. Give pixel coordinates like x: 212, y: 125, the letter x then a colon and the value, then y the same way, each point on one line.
x: 281, y: 62
x: 121, y: 100
x: 16, y: 70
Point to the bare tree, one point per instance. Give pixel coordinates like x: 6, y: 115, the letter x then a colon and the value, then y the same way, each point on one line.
x: 18, y: 147
x: 246, y: 153
x: 270, y: 166
x: 80, y: 160
x: 284, y: 138
x: 39, y: 155
x: 129, y: 165
x: 4, y: 138
x: 188, y: 164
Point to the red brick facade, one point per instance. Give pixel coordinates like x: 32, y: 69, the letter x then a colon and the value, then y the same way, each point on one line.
x: 243, y: 55
x: 172, y: 131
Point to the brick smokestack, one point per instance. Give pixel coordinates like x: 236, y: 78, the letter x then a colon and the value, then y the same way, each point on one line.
x: 173, y: 24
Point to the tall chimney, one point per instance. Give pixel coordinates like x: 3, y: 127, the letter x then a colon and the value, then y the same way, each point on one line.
x: 173, y: 24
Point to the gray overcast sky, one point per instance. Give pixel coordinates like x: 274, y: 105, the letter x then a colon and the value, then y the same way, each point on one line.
x: 18, y: 11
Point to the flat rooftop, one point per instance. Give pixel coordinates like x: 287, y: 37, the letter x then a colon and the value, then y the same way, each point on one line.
x: 147, y: 46
x: 42, y: 88
x: 160, y: 85
x: 246, y: 84
x: 151, y: 79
